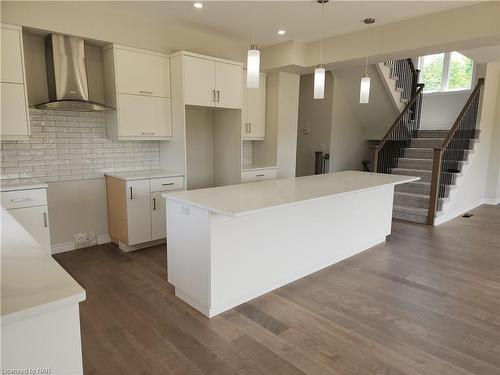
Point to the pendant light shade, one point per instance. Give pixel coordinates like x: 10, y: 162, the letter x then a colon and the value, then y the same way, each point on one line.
x: 253, y: 67
x: 364, y: 87
x: 319, y: 83
x: 364, y: 90
x: 253, y: 60
x: 319, y: 72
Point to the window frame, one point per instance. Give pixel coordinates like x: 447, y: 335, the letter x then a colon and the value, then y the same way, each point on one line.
x: 443, y: 89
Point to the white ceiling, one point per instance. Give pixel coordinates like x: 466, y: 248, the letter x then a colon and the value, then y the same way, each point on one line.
x: 301, y: 19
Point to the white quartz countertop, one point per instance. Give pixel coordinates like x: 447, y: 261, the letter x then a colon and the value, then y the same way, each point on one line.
x: 9, y: 185
x: 141, y: 175
x: 238, y: 200
x: 32, y: 281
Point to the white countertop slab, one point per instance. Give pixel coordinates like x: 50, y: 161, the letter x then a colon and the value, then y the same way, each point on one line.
x: 10, y: 185
x: 238, y: 200
x: 141, y: 175
x: 32, y: 281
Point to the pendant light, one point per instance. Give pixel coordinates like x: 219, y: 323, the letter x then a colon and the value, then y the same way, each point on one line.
x: 253, y: 60
x: 319, y: 72
x: 364, y: 88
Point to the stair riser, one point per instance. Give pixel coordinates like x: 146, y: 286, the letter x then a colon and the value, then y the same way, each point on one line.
x: 414, y: 202
x: 417, y: 153
x: 426, y: 143
x: 409, y: 217
x: 432, y: 133
x: 414, y: 188
x: 424, y: 165
x: 424, y: 176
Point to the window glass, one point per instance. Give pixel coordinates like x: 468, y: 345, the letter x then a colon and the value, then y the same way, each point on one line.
x: 460, y: 72
x: 432, y: 71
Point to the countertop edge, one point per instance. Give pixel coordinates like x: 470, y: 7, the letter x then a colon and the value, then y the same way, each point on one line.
x: 43, y: 308
x: 249, y: 212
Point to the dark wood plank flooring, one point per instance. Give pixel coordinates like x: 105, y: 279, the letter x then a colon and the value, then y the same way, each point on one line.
x: 425, y: 302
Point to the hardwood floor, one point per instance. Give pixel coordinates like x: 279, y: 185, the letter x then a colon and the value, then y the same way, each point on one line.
x: 425, y: 302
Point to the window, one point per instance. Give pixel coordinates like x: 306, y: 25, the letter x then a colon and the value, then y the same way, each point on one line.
x: 446, y: 72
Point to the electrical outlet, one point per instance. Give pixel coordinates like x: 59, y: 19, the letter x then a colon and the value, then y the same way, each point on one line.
x: 85, y: 239
x: 185, y: 210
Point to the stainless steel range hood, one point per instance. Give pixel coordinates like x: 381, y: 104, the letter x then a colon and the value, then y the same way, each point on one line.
x: 67, y: 75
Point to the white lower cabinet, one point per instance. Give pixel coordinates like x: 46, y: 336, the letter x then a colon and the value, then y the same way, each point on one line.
x: 158, y: 216
x: 138, y: 212
x: 136, y: 209
x: 29, y: 208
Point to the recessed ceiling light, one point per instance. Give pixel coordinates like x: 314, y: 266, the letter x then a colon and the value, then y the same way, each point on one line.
x: 281, y: 32
x: 198, y: 5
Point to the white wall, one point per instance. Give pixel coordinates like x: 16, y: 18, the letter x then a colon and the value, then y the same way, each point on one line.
x: 315, y: 115
x: 480, y: 175
x: 440, y: 110
x: 353, y: 124
x: 493, y: 182
x: 288, y: 108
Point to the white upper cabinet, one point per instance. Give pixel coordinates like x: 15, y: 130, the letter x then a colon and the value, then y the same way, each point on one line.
x: 12, y: 63
x: 199, y: 81
x: 142, y: 73
x: 228, y: 84
x: 211, y: 82
x: 14, y: 99
x: 137, y: 84
x: 253, y: 118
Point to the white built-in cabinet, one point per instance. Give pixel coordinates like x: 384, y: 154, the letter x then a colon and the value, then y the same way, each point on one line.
x: 211, y: 82
x: 259, y: 174
x: 253, y: 115
x: 136, y: 209
x: 137, y: 84
x: 29, y: 207
x: 14, y: 99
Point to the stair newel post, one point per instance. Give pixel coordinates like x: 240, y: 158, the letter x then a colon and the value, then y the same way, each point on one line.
x: 435, y: 184
x: 374, y: 157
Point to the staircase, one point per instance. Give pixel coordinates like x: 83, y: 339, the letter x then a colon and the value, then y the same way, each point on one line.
x: 399, y: 78
x: 411, y: 200
x: 436, y: 156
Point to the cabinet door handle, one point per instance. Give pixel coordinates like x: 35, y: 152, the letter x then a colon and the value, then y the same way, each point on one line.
x: 260, y: 175
x: 168, y: 184
x: 148, y: 133
x: 45, y: 223
x: 154, y: 204
x: 249, y: 128
x: 218, y: 96
x: 15, y: 200
x: 146, y: 92
x: 213, y: 95
x: 131, y: 193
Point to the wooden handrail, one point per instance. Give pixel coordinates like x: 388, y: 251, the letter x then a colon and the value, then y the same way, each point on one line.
x: 439, y: 152
x: 403, y: 112
x: 454, y: 128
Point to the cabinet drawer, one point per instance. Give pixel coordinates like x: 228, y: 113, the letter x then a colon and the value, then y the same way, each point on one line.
x: 24, y: 198
x: 259, y: 175
x: 167, y: 183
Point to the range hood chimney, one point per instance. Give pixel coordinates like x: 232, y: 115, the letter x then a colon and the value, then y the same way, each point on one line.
x: 67, y: 75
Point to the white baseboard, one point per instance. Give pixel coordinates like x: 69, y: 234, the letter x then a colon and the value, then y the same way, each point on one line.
x: 493, y: 201
x: 447, y: 216
x: 69, y: 246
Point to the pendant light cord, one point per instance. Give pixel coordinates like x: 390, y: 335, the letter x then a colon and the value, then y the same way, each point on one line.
x: 322, y: 35
x: 366, y: 50
x: 253, y: 23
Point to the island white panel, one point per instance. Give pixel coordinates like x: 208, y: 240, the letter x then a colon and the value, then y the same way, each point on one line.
x: 217, y: 262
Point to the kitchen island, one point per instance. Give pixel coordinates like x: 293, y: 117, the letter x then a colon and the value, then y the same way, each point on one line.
x: 230, y: 244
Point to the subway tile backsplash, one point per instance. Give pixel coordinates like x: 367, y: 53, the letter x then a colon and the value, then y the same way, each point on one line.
x: 72, y: 146
x: 247, y: 151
